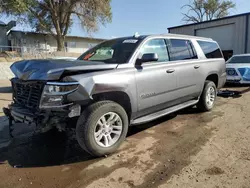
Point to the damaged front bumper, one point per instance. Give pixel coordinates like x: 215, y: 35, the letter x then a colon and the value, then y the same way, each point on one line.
x: 44, y: 104
x: 45, y: 119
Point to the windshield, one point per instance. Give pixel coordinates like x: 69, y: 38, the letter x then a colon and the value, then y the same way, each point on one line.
x: 239, y: 59
x: 115, y: 51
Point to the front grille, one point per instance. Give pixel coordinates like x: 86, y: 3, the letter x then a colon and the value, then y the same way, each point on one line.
x: 27, y: 93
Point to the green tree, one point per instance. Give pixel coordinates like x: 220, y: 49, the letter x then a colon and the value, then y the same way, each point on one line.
x: 204, y: 10
x: 57, y: 16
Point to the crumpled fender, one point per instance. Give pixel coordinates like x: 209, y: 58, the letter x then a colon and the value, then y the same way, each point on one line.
x: 110, y: 81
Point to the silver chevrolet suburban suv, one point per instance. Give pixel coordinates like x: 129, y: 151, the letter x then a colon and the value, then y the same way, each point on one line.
x: 118, y: 83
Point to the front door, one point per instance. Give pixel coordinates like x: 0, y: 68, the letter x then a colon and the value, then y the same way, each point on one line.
x: 156, y: 81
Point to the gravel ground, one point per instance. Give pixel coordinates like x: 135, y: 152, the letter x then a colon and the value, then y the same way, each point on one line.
x: 185, y: 149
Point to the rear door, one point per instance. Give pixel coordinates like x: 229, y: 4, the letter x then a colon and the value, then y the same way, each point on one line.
x: 184, y: 56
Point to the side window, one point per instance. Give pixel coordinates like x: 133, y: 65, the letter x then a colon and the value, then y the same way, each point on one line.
x: 157, y: 46
x: 181, y: 50
x: 210, y: 49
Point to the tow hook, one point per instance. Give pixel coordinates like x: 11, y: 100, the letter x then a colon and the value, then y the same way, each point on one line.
x: 6, y: 111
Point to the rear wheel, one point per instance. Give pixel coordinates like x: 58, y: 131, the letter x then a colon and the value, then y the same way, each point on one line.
x: 208, y: 96
x: 102, y: 127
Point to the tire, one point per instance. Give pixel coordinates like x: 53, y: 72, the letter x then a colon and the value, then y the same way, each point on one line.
x: 203, y: 103
x: 90, y: 124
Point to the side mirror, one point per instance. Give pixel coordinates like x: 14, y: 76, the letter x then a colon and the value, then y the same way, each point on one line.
x: 147, y: 58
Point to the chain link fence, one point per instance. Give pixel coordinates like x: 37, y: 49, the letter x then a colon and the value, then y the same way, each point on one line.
x: 24, y: 52
x: 10, y: 54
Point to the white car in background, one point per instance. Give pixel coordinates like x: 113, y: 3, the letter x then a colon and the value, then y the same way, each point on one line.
x: 238, y: 69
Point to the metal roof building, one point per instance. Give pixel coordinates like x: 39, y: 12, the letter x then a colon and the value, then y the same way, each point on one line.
x: 4, y: 28
x: 3, y: 36
x: 232, y: 32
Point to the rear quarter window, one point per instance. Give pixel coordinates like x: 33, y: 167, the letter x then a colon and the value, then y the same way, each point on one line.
x: 210, y: 49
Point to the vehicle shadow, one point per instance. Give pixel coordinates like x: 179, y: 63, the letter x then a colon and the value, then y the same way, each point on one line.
x: 48, y: 149
x: 138, y: 128
x: 55, y: 148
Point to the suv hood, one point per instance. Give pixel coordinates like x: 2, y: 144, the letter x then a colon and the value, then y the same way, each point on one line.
x: 47, y: 69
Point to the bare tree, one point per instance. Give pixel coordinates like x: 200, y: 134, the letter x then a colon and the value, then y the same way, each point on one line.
x: 57, y: 16
x: 204, y: 10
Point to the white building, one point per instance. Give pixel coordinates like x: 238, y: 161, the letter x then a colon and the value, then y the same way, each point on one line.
x: 46, y: 42
x: 232, y: 32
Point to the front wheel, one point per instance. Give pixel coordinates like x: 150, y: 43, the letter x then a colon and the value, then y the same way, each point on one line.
x: 208, y: 96
x: 102, y: 127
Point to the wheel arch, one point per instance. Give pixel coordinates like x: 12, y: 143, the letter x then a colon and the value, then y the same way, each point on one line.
x: 120, y: 97
x: 214, y: 78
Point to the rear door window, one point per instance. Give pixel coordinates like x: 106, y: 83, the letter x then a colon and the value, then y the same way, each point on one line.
x: 210, y: 49
x: 181, y: 49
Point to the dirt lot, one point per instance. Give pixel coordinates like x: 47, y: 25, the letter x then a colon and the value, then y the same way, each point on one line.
x: 186, y: 149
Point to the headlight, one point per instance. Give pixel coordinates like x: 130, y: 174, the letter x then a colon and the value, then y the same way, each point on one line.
x: 58, y: 88
x: 54, y: 92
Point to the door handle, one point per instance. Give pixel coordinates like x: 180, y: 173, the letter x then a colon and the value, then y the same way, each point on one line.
x: 197, y: 66
x: 170, y: 70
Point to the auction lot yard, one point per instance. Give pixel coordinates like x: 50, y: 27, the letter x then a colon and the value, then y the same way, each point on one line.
x: 185, y: 149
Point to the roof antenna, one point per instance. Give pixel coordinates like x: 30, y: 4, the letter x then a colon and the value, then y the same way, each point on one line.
x: 136, y: 35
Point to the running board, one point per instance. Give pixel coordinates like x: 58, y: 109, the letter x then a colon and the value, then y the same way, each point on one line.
x: 164, y: 112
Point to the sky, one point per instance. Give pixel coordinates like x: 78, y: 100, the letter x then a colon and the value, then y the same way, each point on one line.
x: 144, y: 17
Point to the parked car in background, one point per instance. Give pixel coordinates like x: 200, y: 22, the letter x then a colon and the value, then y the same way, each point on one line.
x: 238, y: 69
x: 118, y: 83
